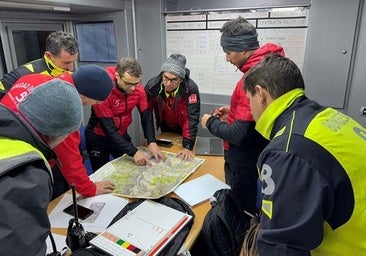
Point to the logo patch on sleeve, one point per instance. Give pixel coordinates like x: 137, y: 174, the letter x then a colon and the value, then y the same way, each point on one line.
x: 267, y: 208
x: 192, y: 99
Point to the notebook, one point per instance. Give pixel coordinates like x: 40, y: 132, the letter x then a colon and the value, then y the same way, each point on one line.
x: 143, y: 231
x: 209, y: 146
x: 199, y: 190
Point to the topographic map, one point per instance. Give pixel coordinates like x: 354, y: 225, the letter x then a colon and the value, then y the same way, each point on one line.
x: 134, y: 181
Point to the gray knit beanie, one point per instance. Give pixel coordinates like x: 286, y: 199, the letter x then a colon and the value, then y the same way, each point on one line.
x: 175, y: 64
x: 53, y: 108
x: 93, y: 82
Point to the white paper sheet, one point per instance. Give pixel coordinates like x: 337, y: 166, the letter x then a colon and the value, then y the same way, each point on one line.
x: 105, y: 208
x: 200, y: 189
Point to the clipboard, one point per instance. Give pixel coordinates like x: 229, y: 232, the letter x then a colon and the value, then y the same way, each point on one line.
x: 143, y: 231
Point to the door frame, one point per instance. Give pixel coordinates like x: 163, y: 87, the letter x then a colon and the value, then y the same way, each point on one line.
x: 8, y: 40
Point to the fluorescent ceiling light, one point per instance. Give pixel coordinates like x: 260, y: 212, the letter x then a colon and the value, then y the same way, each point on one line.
x: 285, y: 9
x: 16, y: 5
x: 61, y: 8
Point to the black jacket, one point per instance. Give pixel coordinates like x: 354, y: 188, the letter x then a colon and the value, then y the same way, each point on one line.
x: 26, y: 187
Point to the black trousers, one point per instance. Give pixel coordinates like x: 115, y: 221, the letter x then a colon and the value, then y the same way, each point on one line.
x: 101, y: 150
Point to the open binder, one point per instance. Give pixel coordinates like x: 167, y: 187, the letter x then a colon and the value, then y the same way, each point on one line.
x: 145, y: 230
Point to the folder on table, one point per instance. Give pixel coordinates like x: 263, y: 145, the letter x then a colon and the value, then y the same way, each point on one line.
x: 199, y: 190
x: 143, y: 231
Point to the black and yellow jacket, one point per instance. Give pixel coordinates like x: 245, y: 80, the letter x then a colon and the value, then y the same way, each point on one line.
x: 42, y: 66
x: 26, y: 187
x: 313, y: 173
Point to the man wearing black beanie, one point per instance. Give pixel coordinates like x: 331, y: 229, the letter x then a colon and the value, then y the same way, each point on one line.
x: 235, y: 124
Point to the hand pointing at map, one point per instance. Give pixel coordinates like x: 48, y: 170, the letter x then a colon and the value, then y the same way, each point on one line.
x: 155, y: 152
x: 141, y: 159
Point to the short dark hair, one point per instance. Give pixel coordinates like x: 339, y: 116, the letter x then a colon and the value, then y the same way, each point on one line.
x: 58, y: 40
x: 129, y: 65
x: 237, y: 27
x: 277, y: 74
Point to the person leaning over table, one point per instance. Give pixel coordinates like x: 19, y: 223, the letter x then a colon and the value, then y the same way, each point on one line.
x: 94, y: 85
x: 61, y: 52
x: 106, y: 132
x: 41, y: 120
x: 175, y: 99
x: 313, y: 193
x: 235, y: 124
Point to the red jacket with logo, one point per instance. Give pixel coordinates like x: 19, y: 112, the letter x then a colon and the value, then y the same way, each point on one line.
x: 113, y: 116
x: 186, y: 107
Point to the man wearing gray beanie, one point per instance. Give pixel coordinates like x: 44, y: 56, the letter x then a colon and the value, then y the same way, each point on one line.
x: 94, y: 85
x: 175, y: 99
x: 235, y: 124
x: 30, y: 126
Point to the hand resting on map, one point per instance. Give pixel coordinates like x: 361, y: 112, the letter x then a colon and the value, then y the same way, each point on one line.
x: 185, y: 154
x: 104, y: 186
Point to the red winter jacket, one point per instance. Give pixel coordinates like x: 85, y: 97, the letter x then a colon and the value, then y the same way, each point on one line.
x: 68, y: 153
x: 113, y: 116
x: 242, y: 142
x: 186, y: 107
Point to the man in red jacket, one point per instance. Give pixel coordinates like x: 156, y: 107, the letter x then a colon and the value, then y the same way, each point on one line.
x: 94, y: 85
x: 175, y: 99
x: 235, y: 124
x: 106, y: 133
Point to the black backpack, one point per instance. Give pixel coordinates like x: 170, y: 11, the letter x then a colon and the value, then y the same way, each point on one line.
x: 224, y: 226
x: 174, y: 245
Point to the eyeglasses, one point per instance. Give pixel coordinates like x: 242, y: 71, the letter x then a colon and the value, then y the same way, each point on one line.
x: 127, y: 84
x: 174, y: 80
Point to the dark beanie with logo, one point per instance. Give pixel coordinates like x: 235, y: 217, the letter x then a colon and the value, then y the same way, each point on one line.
x: 93, y: 82
x: 175, y: 64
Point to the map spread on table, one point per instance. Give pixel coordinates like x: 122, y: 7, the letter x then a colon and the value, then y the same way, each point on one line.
x: 134, y: 181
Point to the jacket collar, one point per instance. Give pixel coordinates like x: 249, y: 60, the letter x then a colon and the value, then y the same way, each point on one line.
x: 269, y: 116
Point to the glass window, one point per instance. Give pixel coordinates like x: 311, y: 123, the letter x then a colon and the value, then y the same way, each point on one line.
x: 29, y: 45
x: 97, y: 42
